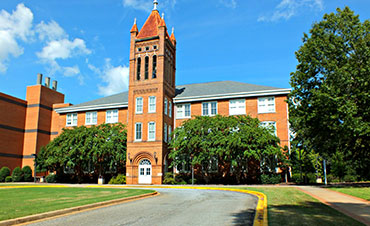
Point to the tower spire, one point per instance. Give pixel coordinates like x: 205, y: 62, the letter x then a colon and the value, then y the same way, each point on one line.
x: 155, y: 3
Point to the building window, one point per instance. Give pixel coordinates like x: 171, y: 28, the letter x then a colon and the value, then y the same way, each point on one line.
x: 139, y: 105
x: 170, y: 109
x: 165, y: 132
x: 237, y: 107
x: 146, y: 67
x: 269, y: 124
x: 147, y: 48
x: 155, y: 47
x: 91, y: 118
x: 209, y: 108
x: 152, y: 104
x: 138, y: 131
x: 151, y: 131
x: 183, y: 111
x: 111, y: 116
x: 138, y: 69
x: 154, y: 67
x: 71, y: 119
x: 165, y: 106
x: 169, y: 132
x: 266, y: 104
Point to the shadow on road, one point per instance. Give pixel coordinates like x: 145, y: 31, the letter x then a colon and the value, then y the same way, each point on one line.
x: 244, y: 217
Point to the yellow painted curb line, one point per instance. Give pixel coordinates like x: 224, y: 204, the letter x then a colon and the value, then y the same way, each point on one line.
x: 260, y: 218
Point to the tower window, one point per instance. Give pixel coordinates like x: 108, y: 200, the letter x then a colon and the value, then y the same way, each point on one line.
x: 165, y: 106
x: 170, y: 109
x: 151, y: 131
x: 147, y: 48
x: 146, y: 67
x: 139, y: 49
x: 152, y: 107
x: 155, y: 47
x: 138, y: 68
x: 154, y: 67
x: 165, y: 132
x: 139, y: 105
x: 138, y: 131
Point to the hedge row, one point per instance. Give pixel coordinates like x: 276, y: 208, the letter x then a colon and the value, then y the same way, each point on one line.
x: 18, y: 174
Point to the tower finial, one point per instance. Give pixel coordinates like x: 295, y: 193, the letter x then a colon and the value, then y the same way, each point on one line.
x: 173, y: 30
x: 162, y: 16
x: 155, y: 3
x: 135, y: 21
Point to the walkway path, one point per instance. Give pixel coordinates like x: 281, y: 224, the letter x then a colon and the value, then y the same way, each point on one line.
x: 351, y: 206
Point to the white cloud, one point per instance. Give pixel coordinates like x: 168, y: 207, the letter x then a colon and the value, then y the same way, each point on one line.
x: 17, y: 25
x: 229, y: 3
x: 71, y: 71
x: 147, y: 6
x: 289, y: 8
x: 115, y: 79
x: 50, y: 31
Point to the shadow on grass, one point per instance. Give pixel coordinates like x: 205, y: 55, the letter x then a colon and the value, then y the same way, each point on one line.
x: 346, y: 185
x: 308, y: 213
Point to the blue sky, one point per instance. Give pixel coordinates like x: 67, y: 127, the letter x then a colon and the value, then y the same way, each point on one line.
x: 84, y: 45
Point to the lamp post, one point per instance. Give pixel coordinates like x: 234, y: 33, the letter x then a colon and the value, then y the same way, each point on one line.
x: 34, y: 167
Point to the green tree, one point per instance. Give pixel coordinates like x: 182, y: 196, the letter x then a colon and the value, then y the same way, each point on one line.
x: 4, y: 172
x: 27, y: 173
x: 95, y: 149
x: 329, y: 104
x: 17, y: 175
x: 232, y: 142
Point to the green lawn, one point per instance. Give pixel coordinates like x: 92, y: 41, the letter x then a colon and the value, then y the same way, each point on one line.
x: 289, y: 206
x: 359, y: 192
x: 18, y: 202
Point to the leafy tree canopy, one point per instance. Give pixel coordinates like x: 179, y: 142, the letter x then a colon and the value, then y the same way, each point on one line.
x: 94, y: 149
x: 329, y: 105
x: 232, y: 140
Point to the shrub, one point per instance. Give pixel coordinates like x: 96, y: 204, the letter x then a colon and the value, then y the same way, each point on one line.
x: 17, y: 174
x: 4, y: 172
x: 296, y: 178
x: 169, y: 178
x: 350, y: 178
x: 332, y: 179
x: 119, y: 179
x: 270, y: 179
x: 27, y: 173
x: 311, y: 178
x: 51, y: 178
x: 8, y: 179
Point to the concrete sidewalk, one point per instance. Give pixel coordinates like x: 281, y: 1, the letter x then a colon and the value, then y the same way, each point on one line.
x: 351, y: 206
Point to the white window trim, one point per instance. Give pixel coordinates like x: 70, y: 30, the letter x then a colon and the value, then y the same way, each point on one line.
x: 72, y: 124
x: 182, y: 106
x: 165, y: 106
x: 169, y: 109
x: 155, y: 104
x: 141, y: 132
x: 269, y: 122
x: 136, y: 105
x: 112, y: 114
x: 91, y: 123
x: 264, y: 111
x: 237, y: 106
x: 153, y: 139
x: 210, y: 108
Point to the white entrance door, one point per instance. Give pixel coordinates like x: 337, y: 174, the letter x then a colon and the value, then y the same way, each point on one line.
x: 145, y: 172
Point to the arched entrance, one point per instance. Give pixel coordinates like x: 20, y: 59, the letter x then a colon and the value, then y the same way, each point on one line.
x: 145, y: 172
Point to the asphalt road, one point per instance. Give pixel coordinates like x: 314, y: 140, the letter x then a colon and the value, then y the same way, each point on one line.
x: 172, y: 207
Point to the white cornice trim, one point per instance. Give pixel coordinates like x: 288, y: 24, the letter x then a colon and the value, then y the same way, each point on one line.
x: 231, y: 95
x: 91, y: 107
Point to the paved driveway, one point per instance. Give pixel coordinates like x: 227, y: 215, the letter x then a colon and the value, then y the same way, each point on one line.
x: 172, y: 207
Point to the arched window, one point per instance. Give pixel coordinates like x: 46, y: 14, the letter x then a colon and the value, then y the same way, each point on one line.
x: 138, y: 68
x: 154, y: 66
x: 146, y: 67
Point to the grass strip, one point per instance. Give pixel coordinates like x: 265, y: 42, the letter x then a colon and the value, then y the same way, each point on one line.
x: 360, y: 192
x: 289, y: 206
x: 19, y: 202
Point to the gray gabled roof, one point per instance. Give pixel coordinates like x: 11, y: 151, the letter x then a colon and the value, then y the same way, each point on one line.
x: 186, y: 93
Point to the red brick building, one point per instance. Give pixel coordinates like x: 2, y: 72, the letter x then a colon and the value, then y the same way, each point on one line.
x: 151, y: 108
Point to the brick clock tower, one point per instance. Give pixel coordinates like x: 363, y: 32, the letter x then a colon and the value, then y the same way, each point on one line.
x: 150, y: 105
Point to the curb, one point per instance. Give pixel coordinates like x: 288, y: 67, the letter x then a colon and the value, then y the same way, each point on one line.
x: 260, y: 218
x: 55, y: 213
